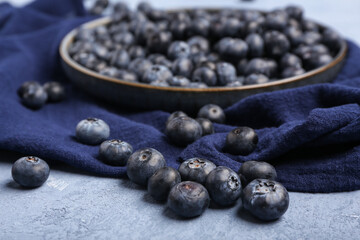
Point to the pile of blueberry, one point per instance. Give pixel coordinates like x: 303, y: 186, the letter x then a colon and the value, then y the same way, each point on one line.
x: 199, y: 48
x: 33, y: 95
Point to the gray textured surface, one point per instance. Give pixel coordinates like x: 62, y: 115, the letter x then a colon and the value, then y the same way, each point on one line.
x: 74, y: 205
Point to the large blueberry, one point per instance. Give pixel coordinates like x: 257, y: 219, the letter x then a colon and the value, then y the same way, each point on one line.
x: 120, y: 59
x: 159, y: 41
x: 55, y: 91
x: 198, y: 44
x: 255, y: 44
x: 183, y: 67
x: 241, y: 141
x: 265, y: 199
x: 257, y: 65
x: 33, y: 96
x: 115, y: 152
x: 276, y: 44
x: 206, y: 125
x: 23, y: 88
x: 161, y: 182
x: 196, y: 169
x: 139, y: 66
x: 30, y: 171
x: 188, y: 199
x: 142, y: 164
x: 92, y: 131
x: 290, y: 60
x: 178, y: 49
x: 251, y: 170
x: 183, y: 130
x: 226, y: 73
x: 204, y: 75
x: 224, y: 186
x: 232, y: 49
x: 175, y: 115
x: 156, y: 73
x: 212, y: 112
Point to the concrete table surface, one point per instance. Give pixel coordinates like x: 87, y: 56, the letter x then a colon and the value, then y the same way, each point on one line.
x: 75, y: 205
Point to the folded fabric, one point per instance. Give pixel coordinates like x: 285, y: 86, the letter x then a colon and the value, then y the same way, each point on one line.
x: 310, y: 134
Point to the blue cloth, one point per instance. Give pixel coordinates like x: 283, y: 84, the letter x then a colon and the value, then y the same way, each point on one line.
x: 311, y: 134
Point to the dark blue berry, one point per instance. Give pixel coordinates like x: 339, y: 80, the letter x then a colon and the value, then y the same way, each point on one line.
x: 23, y: 88
x: 224, y: 186
x: 265, y: 199
x: 241, y: 66
x: 196, y: 169
x: 92, y: 131
x: 206, y: 125
x: 179, y: 81
x: 159, y: 42
x: 55, y: 91
x: 292, y: 71
x: 276, y: 44
x: 178, y: 49
x: 136, y: 52
x: 255, y: 78
x: 142, y: 164
x: 212, y: 112
x: 115, y: 152
x: 139, y: 66
x: 198, y: 44
x: 125, y: 39
x: 232, y: 49
x: 255, y: 44
x: 295, y: 12
x: 251, y: 170
x: 179, y: 29
x: 120, y: 59
x: 276, y: 20
x: 183, y: 130
x: 290, y: 60
x: 156, y: 73
x: 308, y: 25
x: 183, y: 67
x: 175, y: 115
x: 160, y: 83
x: 30, y: 171
x: 161, y: 182
x: 199, y: 26
x: 241, y: 141
x: 204, y: 75
x: 144, y: 7
x: 332, y: 40
x: 126, y: 76
x: 188, y: 199
x: 257, y: 65
x: 33, y: 96
x: 197, y: 85
x: 317, y: 60
x: 226, y: 73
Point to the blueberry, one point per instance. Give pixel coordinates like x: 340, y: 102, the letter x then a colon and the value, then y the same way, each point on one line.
x: 317, y: 60
x: 255, y: 44
x: 179, y: 29
x: 196, y: 169
x: 120, y: 59
x: 294, y: 34
x: 332, y: 40
x: 251, y: 170
x: 276, y: 44
x: 197, y: 85
x: 142, y: 164
x: 125, y: 39
x: 126, y: 76
x: 241, y: 66
x: 308, y: 25
x: 224, y: 186
x: 157, y: 15
x: 178, y: 49
x: 159, y: 59
x: 100, y: 66
x: 92, y: 131
x: 256, y: 78
x: 198, y: 44
x: 33, y: 95
x: 290, y: 60
x: 175, y: 115
x: 226, y: 73
x: 136, y: 52
x: 88, y: 60
x: 115, y: 152
x: 292, y: 71
x: 109, y: 72
x: 100, y: 51
x: 188, y: 199
x: 266, y: 199
x: 159, y: 42
x: 295, y: 12
x: 276, y: 20
x: 257, y: 65
x: 156, y: 73
x: 25, y: 86
x: 179, y: 81
x: 204, y: 75
x: 30, y: 171
x: 232, y: 27
x: 183, y: 130
x: 183, y: 67
x: 160, y: 83
x: 308, y: 38
x: 55, y: 91
x: 239, y: 82
x: 85, y: 34
x: 208, y: 64
x: 212, y: 112
x: 143, y: 31
x: 206, y: 125
x: 241, y: 141
x: 161, y: 182
x: 200, y: 26
x: 232, y: 49
x: 139, y: 66
x: 254, y: 27
x: 144, y: 7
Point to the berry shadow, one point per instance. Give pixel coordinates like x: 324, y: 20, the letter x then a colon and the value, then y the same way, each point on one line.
x: 169, y: 214
x: 246, y: 216
x: 13, y: 185
x: 149, y: 199
x: 126, y: 183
